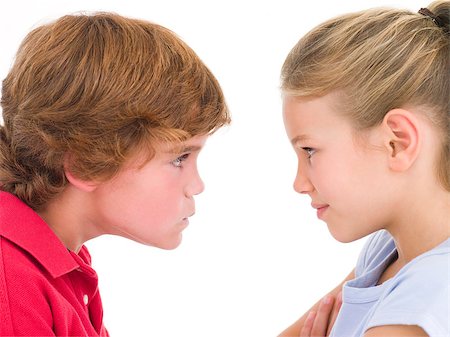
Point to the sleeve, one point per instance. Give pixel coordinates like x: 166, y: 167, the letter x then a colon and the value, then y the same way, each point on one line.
x: 419, y: 296
x: 24, y: 309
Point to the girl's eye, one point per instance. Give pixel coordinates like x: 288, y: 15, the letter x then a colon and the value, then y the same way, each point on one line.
x: 309, y: 151
x: 179, y: 161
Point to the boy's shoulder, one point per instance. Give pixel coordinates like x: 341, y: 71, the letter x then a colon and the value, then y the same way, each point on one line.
x: 28, y: 244
x: 44, y: 288
x: 24, y: 282
x: 34, y: 301
x: 31, y: 255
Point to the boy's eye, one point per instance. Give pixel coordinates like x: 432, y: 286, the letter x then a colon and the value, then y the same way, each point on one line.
x: 309, y: 151
x: 179, y: 161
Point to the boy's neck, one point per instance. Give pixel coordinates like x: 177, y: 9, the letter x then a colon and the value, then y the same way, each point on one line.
x: 67, y: 216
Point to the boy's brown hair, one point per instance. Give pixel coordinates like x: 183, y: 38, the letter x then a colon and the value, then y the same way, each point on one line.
x: 99, y: 87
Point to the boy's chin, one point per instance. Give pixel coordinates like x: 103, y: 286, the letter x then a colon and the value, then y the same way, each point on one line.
x: 169, y: 244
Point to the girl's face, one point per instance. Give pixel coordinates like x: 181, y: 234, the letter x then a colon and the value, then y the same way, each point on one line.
x: 344, y: 179
x: 151, y: 204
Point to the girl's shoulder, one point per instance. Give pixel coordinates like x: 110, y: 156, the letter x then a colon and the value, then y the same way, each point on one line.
x: 418, y: 294
x: 380, y: 248
x: 432, y: 266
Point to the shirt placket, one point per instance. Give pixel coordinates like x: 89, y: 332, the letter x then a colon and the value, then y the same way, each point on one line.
x: 88, y: 294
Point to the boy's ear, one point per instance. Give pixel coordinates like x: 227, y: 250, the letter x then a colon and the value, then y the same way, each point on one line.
x: 83, y: 185
x: 401, y: 138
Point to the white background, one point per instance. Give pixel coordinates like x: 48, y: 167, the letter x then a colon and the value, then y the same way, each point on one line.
x: 254, y: 257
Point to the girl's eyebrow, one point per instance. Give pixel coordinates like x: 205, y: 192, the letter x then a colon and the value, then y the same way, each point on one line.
x: 299, y: 138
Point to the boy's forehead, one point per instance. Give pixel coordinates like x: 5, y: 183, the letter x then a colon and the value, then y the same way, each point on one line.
x: 193, y: 144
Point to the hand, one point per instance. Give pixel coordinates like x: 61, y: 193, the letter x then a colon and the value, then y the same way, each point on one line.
x: 320, y: 323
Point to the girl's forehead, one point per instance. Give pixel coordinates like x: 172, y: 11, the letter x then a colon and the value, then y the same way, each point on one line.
x: 311, y: 109
x: 334, y: 99
x: 315, y: 118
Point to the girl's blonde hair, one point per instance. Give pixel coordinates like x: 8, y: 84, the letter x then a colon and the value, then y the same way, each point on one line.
x: 380, y: 59
x: 98, y: 87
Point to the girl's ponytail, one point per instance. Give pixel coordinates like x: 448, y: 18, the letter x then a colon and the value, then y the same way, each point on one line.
x: 439, y: 11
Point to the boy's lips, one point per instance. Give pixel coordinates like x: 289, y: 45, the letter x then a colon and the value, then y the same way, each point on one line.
x: 186, y: 219
x: 192, y: 214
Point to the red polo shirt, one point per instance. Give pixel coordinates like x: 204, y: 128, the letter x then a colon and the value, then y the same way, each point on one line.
x: 45, y: 290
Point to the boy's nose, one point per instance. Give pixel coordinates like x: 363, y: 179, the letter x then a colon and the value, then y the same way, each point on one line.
x: 195, y: 186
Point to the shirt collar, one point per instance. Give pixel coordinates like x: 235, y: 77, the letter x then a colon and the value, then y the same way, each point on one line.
x: 25, y: 228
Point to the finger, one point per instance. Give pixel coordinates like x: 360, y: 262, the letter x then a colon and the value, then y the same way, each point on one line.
x: 320, y: 325
x: 307, y: 326
x: 336, y: 308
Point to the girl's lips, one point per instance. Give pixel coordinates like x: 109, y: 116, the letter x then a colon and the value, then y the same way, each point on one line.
x: 320, y: 209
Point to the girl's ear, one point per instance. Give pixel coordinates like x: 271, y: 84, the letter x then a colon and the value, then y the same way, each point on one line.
x: 83, y: 185
x: 402, y: 138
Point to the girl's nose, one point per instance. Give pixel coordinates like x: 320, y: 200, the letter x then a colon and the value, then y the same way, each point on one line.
x: 302, y: 184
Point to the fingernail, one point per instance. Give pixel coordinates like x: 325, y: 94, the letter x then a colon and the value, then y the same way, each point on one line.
x: 326, y: 300
x: 311, y: 315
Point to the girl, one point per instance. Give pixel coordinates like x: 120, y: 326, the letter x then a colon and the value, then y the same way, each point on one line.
x: 366, y: 108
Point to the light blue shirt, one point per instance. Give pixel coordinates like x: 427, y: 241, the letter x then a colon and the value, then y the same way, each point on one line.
x: 417, y: 295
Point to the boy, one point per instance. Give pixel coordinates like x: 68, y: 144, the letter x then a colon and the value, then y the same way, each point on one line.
x: 104, y: 119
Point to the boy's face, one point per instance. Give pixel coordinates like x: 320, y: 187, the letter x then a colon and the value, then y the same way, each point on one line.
x: 345, y: 179
x: 151, y: 204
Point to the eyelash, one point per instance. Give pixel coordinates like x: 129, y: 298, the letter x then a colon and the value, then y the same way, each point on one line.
x: 309, y: 151
x: 179, y: 161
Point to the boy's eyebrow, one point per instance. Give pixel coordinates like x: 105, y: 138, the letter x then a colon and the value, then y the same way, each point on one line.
x: 182, y: 149
x: 191, y: 148
x: 299, y: 138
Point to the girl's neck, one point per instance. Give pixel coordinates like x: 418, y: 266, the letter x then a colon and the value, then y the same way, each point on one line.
x: 424, y: 224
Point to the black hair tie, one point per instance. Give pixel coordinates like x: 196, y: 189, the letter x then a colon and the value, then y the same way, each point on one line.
x: 437, y: 21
